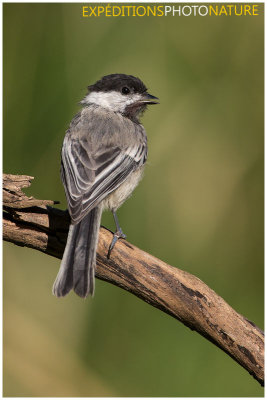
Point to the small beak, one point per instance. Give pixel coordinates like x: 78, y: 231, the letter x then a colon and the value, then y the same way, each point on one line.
x: 149, y: 99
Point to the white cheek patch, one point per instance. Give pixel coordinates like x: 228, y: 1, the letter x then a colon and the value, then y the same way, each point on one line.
x: 114, y: 100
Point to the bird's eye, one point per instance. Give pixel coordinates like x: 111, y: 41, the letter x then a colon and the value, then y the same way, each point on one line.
x: 125, y: 90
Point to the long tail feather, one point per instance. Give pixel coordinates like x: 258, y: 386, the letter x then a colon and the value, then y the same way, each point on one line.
x: 77, y: 269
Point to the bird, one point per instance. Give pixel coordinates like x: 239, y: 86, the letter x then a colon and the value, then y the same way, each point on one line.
x: 103, y: 156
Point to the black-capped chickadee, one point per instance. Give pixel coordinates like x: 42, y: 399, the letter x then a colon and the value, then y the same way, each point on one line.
x: 102, y: 161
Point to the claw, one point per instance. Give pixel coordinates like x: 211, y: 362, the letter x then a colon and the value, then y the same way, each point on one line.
x: 117, y: 235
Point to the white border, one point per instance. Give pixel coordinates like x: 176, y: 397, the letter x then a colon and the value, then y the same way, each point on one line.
x: 1, y: 148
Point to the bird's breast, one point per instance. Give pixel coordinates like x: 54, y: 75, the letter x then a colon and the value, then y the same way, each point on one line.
x: 117, y: 198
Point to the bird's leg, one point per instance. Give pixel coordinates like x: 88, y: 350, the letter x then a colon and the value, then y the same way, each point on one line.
x: 117, y: 235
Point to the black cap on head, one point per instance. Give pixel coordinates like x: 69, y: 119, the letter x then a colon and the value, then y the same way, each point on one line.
x: 116, y: 82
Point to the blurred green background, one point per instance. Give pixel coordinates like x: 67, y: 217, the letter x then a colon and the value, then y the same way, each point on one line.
x: 199, y: 206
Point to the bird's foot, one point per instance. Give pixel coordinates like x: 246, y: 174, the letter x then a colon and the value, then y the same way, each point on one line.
x: 117, y: 235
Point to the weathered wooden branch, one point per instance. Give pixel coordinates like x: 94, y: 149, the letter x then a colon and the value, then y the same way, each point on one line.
x: 34, y: 223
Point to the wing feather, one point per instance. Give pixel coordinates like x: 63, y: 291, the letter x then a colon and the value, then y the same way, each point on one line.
x: 89, y: 175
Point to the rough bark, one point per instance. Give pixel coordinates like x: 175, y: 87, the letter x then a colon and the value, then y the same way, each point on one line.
x: 34, y: 223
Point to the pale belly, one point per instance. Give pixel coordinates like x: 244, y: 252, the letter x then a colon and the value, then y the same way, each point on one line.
x: 117, y: 198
